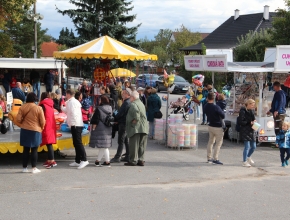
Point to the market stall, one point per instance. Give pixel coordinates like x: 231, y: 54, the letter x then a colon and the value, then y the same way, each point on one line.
x: 22, y: 67
x: 250, y: 79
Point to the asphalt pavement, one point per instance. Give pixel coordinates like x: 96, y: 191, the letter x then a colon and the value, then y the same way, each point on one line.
x: 172, y: 185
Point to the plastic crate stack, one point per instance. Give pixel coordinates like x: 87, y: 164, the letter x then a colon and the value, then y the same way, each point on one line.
x: 160, y: 125
x: 174, y: 125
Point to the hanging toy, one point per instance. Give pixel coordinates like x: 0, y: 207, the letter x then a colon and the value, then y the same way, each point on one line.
x: 198, y: 80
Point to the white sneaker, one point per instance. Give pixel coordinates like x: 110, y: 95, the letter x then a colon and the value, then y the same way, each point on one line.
x: 246, y: 164
x: 250, y: 161
x: 35, y: 170
x: 74, y: 164
x: 83, y: 164
x: 25, y: 170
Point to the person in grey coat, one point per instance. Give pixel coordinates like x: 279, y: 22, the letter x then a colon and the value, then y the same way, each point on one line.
x: 101, y: 135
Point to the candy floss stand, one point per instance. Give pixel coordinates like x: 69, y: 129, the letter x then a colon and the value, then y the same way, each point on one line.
x: 179, y: 135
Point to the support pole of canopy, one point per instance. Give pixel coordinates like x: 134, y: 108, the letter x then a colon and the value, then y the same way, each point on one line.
x: 260, y: 94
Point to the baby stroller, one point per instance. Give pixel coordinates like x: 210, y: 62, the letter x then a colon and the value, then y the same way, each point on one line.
x: 181, y: 106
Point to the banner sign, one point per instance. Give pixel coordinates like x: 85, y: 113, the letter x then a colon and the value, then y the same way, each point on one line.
x: 193, y: 63
x: 282, y: 64
x: 215, y: 63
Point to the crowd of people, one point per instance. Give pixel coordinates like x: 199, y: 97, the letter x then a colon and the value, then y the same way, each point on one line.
x: 215, y: 117
x: 130, y: 111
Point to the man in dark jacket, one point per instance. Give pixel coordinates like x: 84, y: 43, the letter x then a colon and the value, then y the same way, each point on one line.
x: 17, y: 92
x: 120, y: 118
x: 214, y: 115
x: 35, y: 80
x: 49, y: 81
x: 278, y: 106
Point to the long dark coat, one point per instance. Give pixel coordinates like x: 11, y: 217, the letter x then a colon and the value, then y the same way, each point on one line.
x: 101, y: 137
x: 247, y: 133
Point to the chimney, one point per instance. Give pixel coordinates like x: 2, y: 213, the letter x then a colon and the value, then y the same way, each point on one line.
x: 266, y: 13
x: 237, y: 14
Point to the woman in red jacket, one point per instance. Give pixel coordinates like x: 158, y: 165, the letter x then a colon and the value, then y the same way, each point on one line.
x: 49, y: 131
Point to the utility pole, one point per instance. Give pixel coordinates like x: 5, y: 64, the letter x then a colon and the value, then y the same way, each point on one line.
x: 35, y: 32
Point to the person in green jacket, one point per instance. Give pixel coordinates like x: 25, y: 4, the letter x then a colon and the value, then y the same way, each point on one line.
x: 137, y: 130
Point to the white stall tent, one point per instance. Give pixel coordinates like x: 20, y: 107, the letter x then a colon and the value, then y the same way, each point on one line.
x: 258, y: 70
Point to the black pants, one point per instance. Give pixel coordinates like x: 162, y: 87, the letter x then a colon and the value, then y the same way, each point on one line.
x: 34, y: 156
x: 49, y: 88
x: 78, y: 144
x: 284, y: 151
x: 278, y: 121
x: 122, y: 139
x: 50, y: 152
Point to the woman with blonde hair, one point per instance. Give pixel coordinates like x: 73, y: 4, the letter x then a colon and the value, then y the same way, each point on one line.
x: 247, y: 133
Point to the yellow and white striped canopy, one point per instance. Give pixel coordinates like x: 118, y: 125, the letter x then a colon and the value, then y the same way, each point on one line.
x: 104, y: 48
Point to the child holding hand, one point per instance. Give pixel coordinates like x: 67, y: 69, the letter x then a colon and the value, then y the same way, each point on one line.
x: 283, y: 142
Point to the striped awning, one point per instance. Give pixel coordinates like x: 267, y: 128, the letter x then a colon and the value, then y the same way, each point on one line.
x: 104, y: 48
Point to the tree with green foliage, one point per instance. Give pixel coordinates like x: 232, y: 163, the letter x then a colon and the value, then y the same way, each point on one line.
x: 12, y: 10
x: 184, y: 37
x: 66, y: 37
x: 48, y: 38
x: 96, y: 18
x: 281, y: 26
x: 6, y: 49
x: 22, y: 35
x: 251, y: 47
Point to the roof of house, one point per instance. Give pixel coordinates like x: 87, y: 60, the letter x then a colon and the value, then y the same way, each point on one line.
x: 48, y: 48
x: 226, y: 35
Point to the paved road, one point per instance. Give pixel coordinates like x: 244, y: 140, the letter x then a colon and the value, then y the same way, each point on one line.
x: 173, y: 185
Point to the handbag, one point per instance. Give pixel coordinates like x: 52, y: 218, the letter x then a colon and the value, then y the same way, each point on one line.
x: 158, y: 115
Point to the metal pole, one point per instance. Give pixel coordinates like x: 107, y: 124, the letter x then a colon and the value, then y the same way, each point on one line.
x: 166, y: 129
x: 35, y: 32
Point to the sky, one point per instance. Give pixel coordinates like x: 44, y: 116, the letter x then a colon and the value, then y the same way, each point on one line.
x: 202, y: 16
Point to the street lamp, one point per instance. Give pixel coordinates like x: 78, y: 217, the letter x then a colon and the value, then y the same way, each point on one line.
x: 35, y: 17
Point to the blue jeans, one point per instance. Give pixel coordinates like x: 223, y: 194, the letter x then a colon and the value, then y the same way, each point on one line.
x: 151, y: 129
x: 36, y: 88
x: 197, y: 111
x: 250, y: 147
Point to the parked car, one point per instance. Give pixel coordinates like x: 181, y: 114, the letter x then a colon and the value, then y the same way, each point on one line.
x: 144, y: 80
x: 181, y: 85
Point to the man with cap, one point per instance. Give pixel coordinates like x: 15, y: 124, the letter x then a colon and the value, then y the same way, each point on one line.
x: 120, y: 119
x: 142, y: 97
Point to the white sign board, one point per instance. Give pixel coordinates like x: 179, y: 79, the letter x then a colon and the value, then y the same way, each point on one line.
x: 9, y: 98
x: 282, y: 64
x: 215, y: 63
x: 193, y: 63
x: 228, y: 52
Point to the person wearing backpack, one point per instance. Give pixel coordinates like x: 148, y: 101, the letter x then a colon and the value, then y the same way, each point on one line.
x: 101, y: 133
x: 246, y: 120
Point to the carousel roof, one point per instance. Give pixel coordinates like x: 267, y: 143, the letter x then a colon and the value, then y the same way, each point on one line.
x: 104, y: 48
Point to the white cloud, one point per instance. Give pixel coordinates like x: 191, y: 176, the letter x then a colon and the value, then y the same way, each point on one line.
x: 202, y: 16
